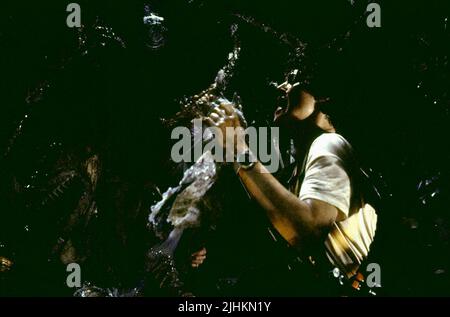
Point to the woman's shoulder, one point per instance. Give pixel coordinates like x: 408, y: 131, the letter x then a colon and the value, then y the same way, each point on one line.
x: 331, y: 143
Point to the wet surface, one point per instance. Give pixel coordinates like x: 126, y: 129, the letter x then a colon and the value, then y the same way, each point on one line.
x: 85, y: 133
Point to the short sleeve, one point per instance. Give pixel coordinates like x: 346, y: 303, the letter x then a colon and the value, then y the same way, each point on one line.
x: 326, y: 178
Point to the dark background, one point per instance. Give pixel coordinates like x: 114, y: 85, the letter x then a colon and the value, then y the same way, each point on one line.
x: 111, y: 101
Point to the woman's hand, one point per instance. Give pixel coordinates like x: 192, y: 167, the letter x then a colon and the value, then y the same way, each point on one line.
x: 230, y: 132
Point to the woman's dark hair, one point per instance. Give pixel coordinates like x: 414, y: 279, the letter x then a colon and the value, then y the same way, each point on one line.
x: 326, y: 74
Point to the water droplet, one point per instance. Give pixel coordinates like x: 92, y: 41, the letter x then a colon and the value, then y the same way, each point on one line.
x: 336, y: 272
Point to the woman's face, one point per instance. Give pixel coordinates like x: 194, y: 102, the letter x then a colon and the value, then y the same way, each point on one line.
x: 294, y: 105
